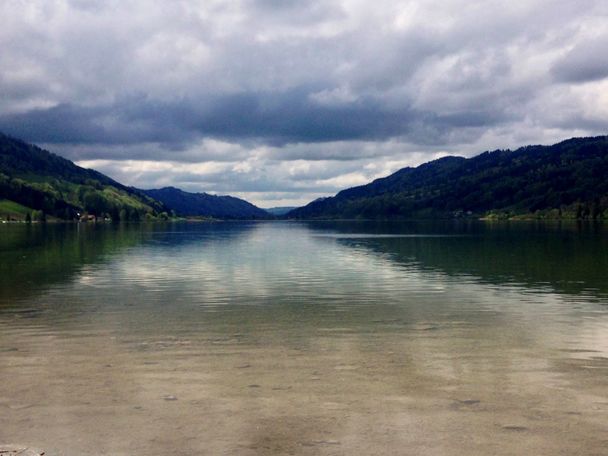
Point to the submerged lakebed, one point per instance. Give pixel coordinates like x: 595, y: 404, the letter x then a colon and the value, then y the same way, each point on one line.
x: 458, y: 338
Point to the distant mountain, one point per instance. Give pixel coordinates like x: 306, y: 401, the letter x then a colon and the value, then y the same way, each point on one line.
x: 38, y: 183
x: 203, y: 204
x: 278, y: 211
x: 566, y: 180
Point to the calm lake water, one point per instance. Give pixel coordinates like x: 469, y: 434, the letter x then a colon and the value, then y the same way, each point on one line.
x: 305, y: 338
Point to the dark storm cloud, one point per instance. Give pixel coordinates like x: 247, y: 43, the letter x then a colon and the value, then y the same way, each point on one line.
x: 584, y: 63
x: 278, y: 92
x: 275, y: 119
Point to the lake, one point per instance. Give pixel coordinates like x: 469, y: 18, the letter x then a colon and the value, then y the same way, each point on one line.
x: 324, y: 338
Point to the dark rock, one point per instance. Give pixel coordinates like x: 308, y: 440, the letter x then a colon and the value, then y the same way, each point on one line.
x: 14, y: 450
x: 515, y: 428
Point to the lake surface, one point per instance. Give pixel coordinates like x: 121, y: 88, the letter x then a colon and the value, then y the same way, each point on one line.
x: 305, y: 338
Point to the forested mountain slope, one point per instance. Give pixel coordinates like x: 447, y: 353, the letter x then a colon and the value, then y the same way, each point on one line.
x: 206, y: 205
x: 565, y: 180
x: 33, y: 179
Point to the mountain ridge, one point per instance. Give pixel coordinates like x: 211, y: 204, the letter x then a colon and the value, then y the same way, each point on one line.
x: 55, y: 186
x: 564, y: 180
x: 36, y: 183
x: 205, y: 205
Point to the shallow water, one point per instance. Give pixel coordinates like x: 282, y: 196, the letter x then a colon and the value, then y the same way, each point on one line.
x: 305, y: 338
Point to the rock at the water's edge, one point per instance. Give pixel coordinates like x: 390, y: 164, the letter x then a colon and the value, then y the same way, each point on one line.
x: 19, y: 450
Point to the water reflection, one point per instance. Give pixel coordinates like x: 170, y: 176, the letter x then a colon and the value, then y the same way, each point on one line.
x: 301, y: 276
x: 275, y: 338
x: 36, y: 257
x: 567, y: 257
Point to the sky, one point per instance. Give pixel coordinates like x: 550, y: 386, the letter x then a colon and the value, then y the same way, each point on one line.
x: 282, y: 102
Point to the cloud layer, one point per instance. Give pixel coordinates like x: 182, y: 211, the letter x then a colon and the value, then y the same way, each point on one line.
x: 284, y: 101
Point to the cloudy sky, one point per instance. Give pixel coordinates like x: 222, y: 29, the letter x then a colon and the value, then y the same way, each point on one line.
x: 281, y: 102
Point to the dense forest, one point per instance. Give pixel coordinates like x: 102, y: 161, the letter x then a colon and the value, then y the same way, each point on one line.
x: 203, y: 204
x: 36, y: 184
x: 566, y: 180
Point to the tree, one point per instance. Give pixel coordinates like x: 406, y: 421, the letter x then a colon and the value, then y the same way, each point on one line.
x: 134, y: 215
x: 39, y: 216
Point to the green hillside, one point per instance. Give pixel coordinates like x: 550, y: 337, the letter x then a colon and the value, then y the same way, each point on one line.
x: 205, y: 205
x: 34, y: 180
x: 566, y: 180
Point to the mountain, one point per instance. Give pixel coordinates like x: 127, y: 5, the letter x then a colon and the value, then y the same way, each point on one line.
x: 565, y: 180
x: 36, y: 182
x: 279, y: 211
x: 203, y: 204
